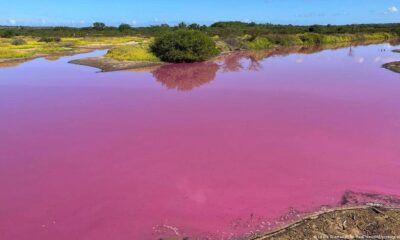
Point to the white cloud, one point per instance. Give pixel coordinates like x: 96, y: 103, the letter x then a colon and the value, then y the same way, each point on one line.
x: 12, y: 21
x: 134, y: 22
x: 393, y: 9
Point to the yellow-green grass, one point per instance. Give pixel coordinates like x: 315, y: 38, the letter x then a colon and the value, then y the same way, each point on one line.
x: 33, y: 46
x: 12, y: 53
x: 133, y: 52
x: 259, y: 43
x: 102, y: 40
x: 314, y: 38
x: 52, y: 49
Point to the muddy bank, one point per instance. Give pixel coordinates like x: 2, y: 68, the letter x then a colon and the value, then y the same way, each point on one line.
x: 393, y: 66
x: 367, y: 222
x: 358, y: 215
x: 108, y: 64
x: 362, y: 222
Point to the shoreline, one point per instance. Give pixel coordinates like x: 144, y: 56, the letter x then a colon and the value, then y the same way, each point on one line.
x: 358, y: 214
x: 75, y: 51
x: 393, y: 66
x: 106, y: 64
x: 346, y: 222
x: 110, y: 65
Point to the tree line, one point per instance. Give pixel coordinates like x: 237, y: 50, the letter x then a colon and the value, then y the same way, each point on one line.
x: 222, y: 29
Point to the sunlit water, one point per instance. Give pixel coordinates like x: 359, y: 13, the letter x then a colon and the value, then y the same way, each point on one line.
x: 214, y: 150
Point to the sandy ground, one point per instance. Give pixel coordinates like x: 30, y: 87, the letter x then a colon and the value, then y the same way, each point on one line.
x: 108, y: 64
x: 349, y: 223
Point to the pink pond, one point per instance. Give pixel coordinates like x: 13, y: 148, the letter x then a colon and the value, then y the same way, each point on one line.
x: 206, y: 151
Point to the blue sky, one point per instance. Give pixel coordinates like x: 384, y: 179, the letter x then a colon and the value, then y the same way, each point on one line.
x: 147, y: 12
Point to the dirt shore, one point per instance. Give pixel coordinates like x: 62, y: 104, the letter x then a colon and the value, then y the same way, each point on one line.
x: 360, y: 222
x: 393, y: 66
x: 365, y: 222
x: 357, y: 216
x: 108, y: 64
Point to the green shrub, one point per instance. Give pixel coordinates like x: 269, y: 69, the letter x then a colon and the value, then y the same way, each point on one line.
x: 99, y: 26
x: 311, y: 38
x: 285, y: 39
x: 184, y: 45
x: 124, y: 27
x: 260, y: 43
x: 49, y: 39
x: 18, y: 41
x: 8, y: 34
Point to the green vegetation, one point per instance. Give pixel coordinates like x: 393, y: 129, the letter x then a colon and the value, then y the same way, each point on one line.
x: 184, y: 46
x: 8, y: 33
x: 124, y: 27
x: 260, y: 43
x: 50, y: 39
x: 11, y: 53
x: 22, y: 47
x: 223, y: 29
x: 184, y: 42
x: 285, y: 40
x: 99, y: 26
x: 137, y: 52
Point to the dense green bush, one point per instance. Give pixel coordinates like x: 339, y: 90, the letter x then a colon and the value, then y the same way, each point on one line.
x: 184, y: 45
x: 124, y: 27
x: 260, y: 43
x: 311, y: 38
x: 99, y: 26
x: 8, y: 34
x: 49, y: 39
x: 285, y: 39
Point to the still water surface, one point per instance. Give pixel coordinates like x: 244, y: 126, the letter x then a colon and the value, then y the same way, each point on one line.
x: 214, y: 150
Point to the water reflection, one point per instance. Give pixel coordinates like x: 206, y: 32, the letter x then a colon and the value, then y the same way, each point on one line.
x: 186, y: 76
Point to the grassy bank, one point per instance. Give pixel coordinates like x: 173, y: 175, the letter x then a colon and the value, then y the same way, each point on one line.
x: 139, y: 51
x: 26, y: 47
x: 137, y: 48
x: 309, y: 39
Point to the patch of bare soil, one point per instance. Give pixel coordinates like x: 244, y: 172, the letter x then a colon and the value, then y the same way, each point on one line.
x: 108, y: 64
x: 393, y: 66
x: 361, y: 216
x: 349, y: 223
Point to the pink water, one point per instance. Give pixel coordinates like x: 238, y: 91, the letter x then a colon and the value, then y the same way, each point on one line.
x: 208, y: 151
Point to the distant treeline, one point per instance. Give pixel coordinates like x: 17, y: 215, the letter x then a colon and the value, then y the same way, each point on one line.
x: 222, y: 29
